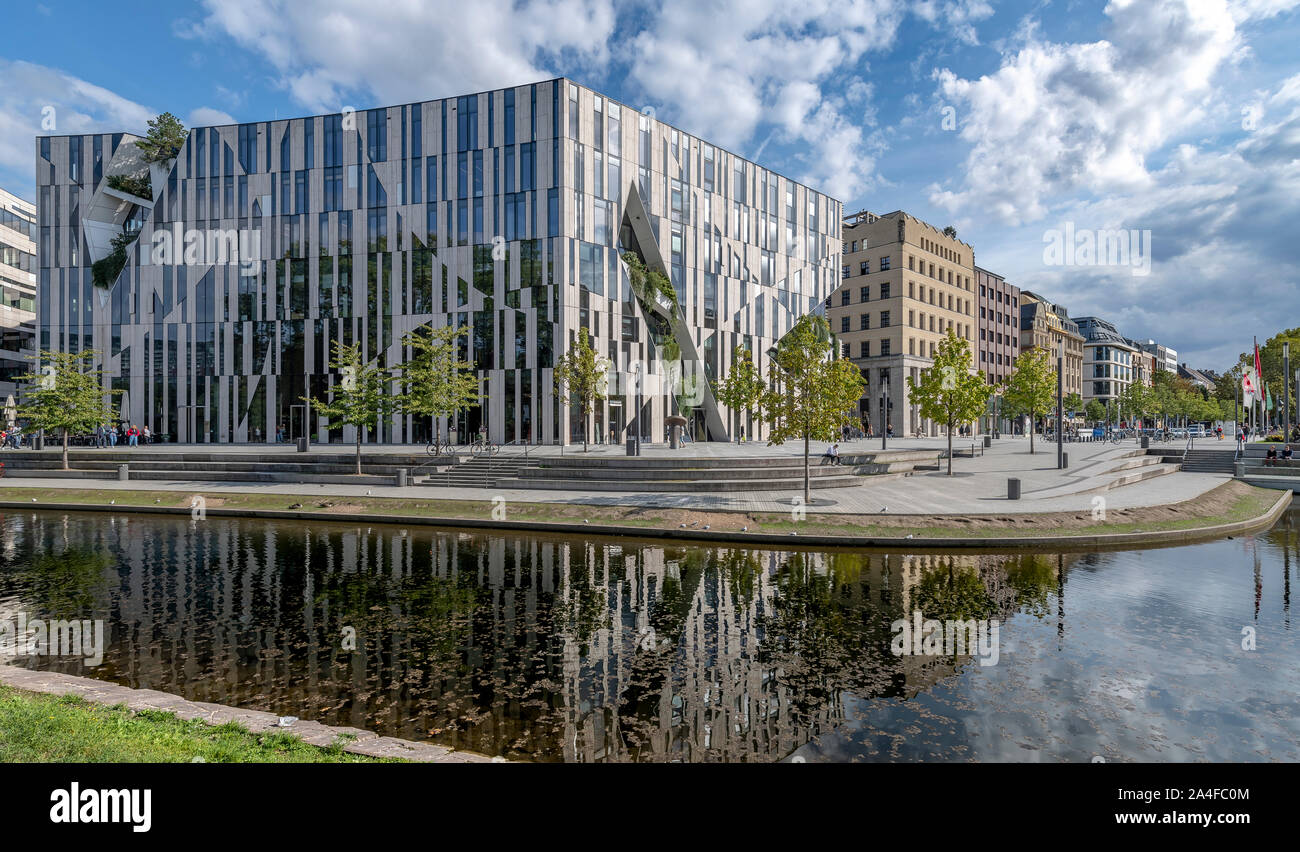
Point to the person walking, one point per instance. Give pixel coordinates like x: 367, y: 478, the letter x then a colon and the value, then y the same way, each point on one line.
x: 148, y: 435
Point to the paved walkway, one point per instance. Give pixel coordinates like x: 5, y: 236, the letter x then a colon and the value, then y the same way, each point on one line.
x: 978, y: 485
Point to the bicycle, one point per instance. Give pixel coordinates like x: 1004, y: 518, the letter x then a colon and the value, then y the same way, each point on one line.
x: 438, y: 448
x: 482, y: 446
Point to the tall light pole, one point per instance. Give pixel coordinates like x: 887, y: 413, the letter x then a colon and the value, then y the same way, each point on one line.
x: 1060, y: 403
x: 884, y: 411
x: 1286, y: 390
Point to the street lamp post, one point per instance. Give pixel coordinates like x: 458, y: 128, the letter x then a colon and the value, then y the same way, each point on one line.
x: 1286, y: 390
x: 884, y: 412
x: 1060, y: 403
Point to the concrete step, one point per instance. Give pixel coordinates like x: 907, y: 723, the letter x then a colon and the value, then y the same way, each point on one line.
x: 691, y: 486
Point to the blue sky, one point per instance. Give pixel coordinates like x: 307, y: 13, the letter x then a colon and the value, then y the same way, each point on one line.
x: 1006, y: 120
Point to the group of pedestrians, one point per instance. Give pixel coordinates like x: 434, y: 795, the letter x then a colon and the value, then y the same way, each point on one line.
x: 108, y: 435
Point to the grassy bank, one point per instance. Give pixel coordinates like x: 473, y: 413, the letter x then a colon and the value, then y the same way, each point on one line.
x: 49, y: 729
x: 1230, y: 502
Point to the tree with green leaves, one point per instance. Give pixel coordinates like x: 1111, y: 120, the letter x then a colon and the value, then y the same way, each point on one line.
x: 1095, y: 411
x: 361, y: 398
x: 742, y: 388
x: 435, y: 381
x: 164, y: 139
x: 948, y: 392
x: 811, y: 393
x: 1139, y: 401
x: 66, y: 394
x: 584, y: 374
x: 1031, y: 390
x: 1074, y: 402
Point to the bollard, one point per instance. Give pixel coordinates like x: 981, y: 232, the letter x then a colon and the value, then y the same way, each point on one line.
x: 402, y: 475
x: 631, y: 445
x: 1146, y: 442
x: 1013, y: 489
x: 988, y: 442
x: 302, y: 445
x: 1065, y: 460
x: 123, y: 473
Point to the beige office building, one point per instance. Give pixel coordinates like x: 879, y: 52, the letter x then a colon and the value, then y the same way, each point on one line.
x: 17, y: 289
x: 903, y: 285
x: 1044, y: 325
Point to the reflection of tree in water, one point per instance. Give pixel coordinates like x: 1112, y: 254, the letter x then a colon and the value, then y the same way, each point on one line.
x: 1033, y: 577
x: 816, y: 638
x: 71, y: 583
x: 952, y: 592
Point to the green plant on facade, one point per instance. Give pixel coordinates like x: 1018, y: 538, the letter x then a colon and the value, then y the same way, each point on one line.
x: 436, y: 382
x: 163, y: 140
x: 582, y: 374
x: 66, y: 394
x: 649, y: 282
x: 811, y: 394
x: 949, y: 392
x: 138, y: 185
x: 104, y: 272
x: 360, y: 399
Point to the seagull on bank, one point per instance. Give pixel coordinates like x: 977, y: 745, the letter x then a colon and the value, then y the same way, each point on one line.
x: 884, y: 509
x: 286, y: 721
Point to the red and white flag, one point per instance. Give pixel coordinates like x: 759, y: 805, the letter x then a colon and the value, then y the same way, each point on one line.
x: 1249, y: 386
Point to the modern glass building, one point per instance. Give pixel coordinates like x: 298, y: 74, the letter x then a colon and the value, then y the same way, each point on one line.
x: 504, y: 212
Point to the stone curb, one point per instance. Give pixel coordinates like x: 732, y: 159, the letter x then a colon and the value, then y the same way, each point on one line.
x: 366, y: 743
x: 1067, y: 543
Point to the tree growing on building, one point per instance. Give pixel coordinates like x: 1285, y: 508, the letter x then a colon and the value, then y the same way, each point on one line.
x: 163, y: 140
x: 436, y: 382
x: 361, y: 398
x: 811, y: 393
x: 66, y: 394
x: 742, y: 388
x: 582, y: 375
x: 1031, y: 390
x: 949, y: 392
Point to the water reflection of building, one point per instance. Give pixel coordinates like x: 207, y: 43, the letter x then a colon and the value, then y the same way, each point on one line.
x: 535, y: 647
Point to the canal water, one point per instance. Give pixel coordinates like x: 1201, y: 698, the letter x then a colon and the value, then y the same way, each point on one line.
x: 564, y: 649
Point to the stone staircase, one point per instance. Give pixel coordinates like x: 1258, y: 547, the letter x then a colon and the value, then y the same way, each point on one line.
x: 1209, y: 461
x: 481, y: 471
x: 377, y: 468
x: 575, y: 472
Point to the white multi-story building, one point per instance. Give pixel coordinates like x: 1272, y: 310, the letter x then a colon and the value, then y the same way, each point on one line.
x: 505, y: 212
x: 17, y: 289
x: 1107, y: 360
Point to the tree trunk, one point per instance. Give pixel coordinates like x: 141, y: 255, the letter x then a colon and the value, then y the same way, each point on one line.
x: 65, y: 449
x: 950, y: 449
x: 358, y: 451
x: 805, y: 469
x: 1032, y: 420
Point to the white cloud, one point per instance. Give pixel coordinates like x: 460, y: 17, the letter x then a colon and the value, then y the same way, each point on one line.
x: 327, y: 52
x: 1223, y: 242
x: 1056, y: 118
x: 723, y: 70
x: 40, y: 101
x: 208, y: 117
